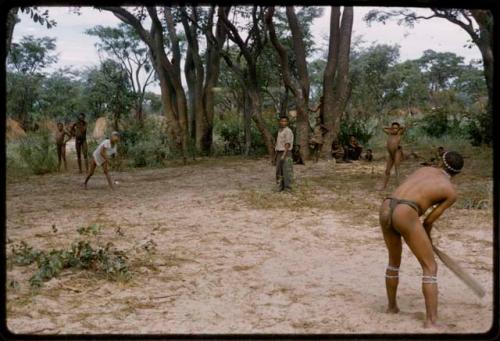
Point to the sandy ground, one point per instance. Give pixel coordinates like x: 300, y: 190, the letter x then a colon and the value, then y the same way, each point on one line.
x: 232, y: 256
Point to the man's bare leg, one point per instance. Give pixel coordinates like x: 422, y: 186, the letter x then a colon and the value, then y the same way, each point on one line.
x: 106, y: 172
x: 388, y: 168
x: 85, y: 150
x: 63, y: 153
x: 418, y: 241
x: 78, y: 147
x: 394, y: 248
x: 397, y: 161
x: 59, y: 156
x: 93, y: 166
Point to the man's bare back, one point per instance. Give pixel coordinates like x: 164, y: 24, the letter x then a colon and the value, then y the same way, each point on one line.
x: 427, y: 186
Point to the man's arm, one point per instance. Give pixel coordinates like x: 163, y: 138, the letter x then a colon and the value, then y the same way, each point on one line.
x: 72, y: 130
x: 387, y: 130
x: 438, y: 211
x: 402, y: 130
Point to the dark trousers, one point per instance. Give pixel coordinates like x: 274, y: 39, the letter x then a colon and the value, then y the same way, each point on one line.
x: 284, y: 171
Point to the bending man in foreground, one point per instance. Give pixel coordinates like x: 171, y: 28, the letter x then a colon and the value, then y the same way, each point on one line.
x: 399, y: 217
x: 101, y: 156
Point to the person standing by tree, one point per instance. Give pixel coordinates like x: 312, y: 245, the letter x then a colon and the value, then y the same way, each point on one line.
x: 79, y: 131
x: 61, y: 145
x: 395, y: 132
x: 317, y: 139
x: 101, y: 156
x: 284, y: 162
x: 399, y: 217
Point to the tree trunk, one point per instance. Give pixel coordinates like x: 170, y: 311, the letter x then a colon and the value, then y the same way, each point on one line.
x: 11, y: 23
x: 247, y: 122
x: 336, y: 89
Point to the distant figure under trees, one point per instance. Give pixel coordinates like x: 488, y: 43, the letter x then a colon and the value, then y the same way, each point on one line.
x: 79, y: 131
x: 395, y: 150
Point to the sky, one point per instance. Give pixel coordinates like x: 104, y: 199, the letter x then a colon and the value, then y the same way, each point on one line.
x: 76, y: 49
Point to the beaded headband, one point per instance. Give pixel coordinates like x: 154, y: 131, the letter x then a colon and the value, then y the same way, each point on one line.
x: 450, y: 168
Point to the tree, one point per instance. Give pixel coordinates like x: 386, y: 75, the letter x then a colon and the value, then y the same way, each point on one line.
x: 26, y: 63
x: 250, y: 50
x: 336, y: 88
x: 167, y: 69
x: 124, y: 45
x: 478, y: 24
x: 202, y: 74
x: 108, y: 89
x: 36, y: 15
x: 300, y: 86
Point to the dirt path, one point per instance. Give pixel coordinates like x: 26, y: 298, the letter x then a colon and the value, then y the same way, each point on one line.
x: 234, y: 257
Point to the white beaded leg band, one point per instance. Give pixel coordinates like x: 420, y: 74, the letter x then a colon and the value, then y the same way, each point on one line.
x: 429, y: 279
x: 389, y: 276
x: 392, y: 268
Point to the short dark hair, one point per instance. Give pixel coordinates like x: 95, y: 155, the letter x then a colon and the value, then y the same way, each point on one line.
x: 369, y: 150
x: 59, y: 123
x: 395, y: 123
x: 453, y: 162
x: 440, y: 147
x: 81, y: 114
x: 283, y: 118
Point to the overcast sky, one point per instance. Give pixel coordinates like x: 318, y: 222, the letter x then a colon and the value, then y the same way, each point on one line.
x: 76, y: 49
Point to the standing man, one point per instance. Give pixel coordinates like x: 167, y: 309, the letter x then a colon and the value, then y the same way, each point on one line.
x: 101, y: 156
x: 61, y: 141
x: 395, y: 132
x: 79, y: 131
x: 317, y: 138
x: 283, y: 157
x: 400, y: 217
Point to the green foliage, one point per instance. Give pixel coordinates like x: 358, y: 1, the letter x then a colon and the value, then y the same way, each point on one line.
x: 80, y: 255
x: 93, y: 229
x: 436, y: 124
x: 479, y: 130
x: 361, y: 129
x: 31, y: 54
x: 145, y: 144
x: 231, y: 132
x: 38, y: 152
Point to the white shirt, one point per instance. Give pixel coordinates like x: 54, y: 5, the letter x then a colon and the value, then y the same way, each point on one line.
x: 108, y: 150
x: 285, y: 136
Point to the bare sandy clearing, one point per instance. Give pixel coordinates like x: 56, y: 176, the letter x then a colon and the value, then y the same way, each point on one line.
x: 234, y: 257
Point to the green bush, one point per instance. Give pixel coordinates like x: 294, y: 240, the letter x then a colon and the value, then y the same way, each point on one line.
x: 359, y: 128
x: 144, y: 145
x: 435, y: 124
x: 38, y: 152
x: 229, y: 136
x: 479, y: 131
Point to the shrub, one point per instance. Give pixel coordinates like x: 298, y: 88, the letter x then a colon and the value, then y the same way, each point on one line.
x: 38, y: 152
x: 231, y: 134
x: 479, y: 130
x: 435, y: 124
x: 144, y: 145
x: 359, y: 128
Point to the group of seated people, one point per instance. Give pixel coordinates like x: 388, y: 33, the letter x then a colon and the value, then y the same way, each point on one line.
x: 352, y: 151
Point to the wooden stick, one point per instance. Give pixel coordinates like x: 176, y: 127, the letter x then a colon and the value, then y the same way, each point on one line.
x: 460, y: 272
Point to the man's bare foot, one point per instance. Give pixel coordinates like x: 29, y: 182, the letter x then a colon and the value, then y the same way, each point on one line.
x: 84, y: 185
x: 392, y: 310
x: 434, y: 325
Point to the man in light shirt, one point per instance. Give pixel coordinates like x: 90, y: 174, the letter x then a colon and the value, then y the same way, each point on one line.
x: 101, y: 155
x: 284, y: 162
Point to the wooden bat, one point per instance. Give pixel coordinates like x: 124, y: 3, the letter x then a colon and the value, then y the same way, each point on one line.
x: 460, y: 272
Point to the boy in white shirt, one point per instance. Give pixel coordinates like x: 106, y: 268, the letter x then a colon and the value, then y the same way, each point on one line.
x: 101, y: 156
